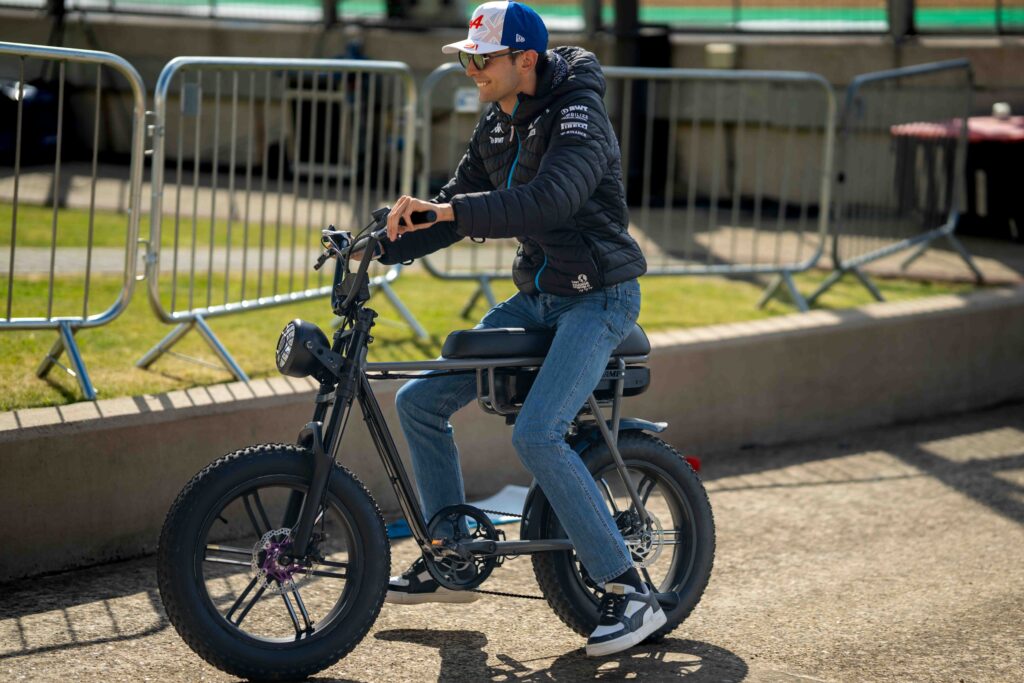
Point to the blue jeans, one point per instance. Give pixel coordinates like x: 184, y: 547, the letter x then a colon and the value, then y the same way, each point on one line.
x: 587, y: 328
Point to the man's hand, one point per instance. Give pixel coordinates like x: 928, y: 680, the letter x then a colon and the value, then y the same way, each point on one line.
x: 404, y: 208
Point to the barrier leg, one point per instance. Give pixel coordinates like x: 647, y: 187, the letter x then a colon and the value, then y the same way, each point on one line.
x: 918, y: 253
x: 784, y: 278
x: 834, y: 277
x: 770, y: 291
x: 406, y: 314
x: 219, y: 349
x: 868, y: 284
x: 165, y: 345
x: 66, y: 342
x: 966, y: 256
x: 484, y: 288
x: 794, y: 293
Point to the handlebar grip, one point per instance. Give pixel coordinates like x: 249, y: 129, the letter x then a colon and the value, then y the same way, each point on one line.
x: 420, y: 217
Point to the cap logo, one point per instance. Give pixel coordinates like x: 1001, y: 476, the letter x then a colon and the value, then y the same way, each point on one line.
x: 470, y: 46
x: 477, y: 21
x: 493, y: 27
x: 520, y: 39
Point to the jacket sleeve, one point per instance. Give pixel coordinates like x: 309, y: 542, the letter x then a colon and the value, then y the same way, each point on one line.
x: 577, y: 157
x: 470, y: 176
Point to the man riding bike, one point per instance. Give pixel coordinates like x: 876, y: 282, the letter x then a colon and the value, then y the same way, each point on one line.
x: 543, y: 166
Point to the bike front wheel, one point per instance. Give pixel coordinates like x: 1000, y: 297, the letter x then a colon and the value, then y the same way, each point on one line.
x: 675, y: 556
x: 230, y: 587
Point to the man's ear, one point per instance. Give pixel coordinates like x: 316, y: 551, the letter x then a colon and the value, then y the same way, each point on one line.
x: 528, y: 60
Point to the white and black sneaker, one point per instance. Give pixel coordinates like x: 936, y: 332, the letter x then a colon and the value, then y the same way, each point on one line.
x: 627, y: 617
x: 416, y: 586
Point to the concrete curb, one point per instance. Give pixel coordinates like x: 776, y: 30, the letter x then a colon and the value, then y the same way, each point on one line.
x: 91, y: 482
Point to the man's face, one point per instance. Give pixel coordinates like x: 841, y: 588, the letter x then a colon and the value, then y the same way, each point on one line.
x: 499, y: 78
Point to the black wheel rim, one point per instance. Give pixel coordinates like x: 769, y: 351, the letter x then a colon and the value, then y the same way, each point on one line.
x: 672, y: 571
x: 260, y: 607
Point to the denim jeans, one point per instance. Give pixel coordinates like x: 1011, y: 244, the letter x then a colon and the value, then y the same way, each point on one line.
x: 587, y: 328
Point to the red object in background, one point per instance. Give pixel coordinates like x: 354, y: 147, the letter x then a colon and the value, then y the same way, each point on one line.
x: 995, y: 165
x: 979, y: 129
x: 693, y: 461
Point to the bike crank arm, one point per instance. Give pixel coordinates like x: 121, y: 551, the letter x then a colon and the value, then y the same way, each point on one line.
x: 496, y: 548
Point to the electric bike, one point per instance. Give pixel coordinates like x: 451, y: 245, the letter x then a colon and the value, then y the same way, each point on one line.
x: 274, y: 560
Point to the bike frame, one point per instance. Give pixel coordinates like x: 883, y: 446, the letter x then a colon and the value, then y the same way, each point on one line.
x: 350, y: 383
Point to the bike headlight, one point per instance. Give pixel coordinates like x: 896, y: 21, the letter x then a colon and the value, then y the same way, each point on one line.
x: 297, y: 346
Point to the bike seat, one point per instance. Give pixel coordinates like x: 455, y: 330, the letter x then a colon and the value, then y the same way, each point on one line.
x: 515, y: 342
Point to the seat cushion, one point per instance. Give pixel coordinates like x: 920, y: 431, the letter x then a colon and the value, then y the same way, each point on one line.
x: 514, y: 342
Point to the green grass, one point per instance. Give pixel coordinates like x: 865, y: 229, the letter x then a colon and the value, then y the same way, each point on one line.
x: 110, y: 351
x: 110, y: 229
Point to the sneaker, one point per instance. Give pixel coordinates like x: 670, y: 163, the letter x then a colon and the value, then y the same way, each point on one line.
x: 416, y: 586
x: 627, y: 617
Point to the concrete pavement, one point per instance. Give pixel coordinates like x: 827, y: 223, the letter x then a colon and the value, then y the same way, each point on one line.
x: 890, y: 555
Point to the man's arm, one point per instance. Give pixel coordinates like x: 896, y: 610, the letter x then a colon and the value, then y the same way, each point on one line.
x: 576, y: 159
x: 470, y: 176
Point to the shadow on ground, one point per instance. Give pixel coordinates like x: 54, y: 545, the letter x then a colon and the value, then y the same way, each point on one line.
x: 938, y: 449
x: 464, y: 659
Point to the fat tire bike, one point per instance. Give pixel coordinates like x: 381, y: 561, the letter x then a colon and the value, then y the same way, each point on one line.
x: 274, y: 560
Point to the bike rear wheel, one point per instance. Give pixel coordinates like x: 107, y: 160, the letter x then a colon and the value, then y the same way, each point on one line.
x: 226, y: 579
x: 676, y: 559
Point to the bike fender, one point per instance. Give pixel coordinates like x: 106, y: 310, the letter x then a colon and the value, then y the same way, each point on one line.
x: 592, y: 435
x: 581, y: 443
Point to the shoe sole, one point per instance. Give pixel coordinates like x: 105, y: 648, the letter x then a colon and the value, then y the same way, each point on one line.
x: 610, y: 647
x: 441, y: 595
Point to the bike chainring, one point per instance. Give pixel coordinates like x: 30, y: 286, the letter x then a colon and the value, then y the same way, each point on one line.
x: 451, y: 564
x: 273, y: 567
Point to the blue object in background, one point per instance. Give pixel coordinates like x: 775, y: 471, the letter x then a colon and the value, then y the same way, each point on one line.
x: 510, y: 499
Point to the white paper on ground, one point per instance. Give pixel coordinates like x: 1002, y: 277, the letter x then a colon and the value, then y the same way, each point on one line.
x: 508, y: 500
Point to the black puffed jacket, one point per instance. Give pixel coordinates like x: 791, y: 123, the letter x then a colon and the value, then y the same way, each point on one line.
x: 550, y: 176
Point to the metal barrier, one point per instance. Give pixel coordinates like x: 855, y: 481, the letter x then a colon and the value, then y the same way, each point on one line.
x: 289, y: 146
x: 901, y: 157
x: 66, y: 309
x: 726, y: 172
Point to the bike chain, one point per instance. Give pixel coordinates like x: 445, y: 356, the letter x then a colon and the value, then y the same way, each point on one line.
x: 503, y: 594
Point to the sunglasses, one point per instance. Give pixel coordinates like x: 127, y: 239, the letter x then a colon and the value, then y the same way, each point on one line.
x: 480, y: 61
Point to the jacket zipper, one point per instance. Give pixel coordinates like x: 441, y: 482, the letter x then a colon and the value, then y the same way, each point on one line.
x: 508, y: 184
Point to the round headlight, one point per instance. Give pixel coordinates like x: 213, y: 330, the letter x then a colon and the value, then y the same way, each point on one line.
x: 296, y: 346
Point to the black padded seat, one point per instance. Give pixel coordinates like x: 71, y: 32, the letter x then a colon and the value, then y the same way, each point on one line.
x: 514, y: 342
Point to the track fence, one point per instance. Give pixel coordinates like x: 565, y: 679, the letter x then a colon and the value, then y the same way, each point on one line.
x: 901, y: 156
x: 726, y: 172
x: 252, y: 158
x: 54, y: 253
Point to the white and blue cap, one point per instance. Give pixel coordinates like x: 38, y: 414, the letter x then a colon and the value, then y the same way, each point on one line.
x: 502, y: 25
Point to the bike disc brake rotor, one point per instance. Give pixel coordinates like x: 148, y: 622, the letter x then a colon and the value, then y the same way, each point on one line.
x: 451, y: 565
x: 271, y: 573
x: 644, y: 543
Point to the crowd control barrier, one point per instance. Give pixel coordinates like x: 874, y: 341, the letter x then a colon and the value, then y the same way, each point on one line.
x: 901, y: 157
x: 726, y: 172
x: 252, y: 158
x: 40, y: 141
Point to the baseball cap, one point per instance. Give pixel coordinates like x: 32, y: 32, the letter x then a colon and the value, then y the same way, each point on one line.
x: 499, y: 25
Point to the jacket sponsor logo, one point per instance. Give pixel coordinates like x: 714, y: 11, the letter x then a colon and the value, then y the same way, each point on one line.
x: 577, y: 128
x: 498, y: 140
x: 575, y: 116
x: 581, y: 283
x: 533, y: 127
x: 497, y: 128
x: 581, y: 108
